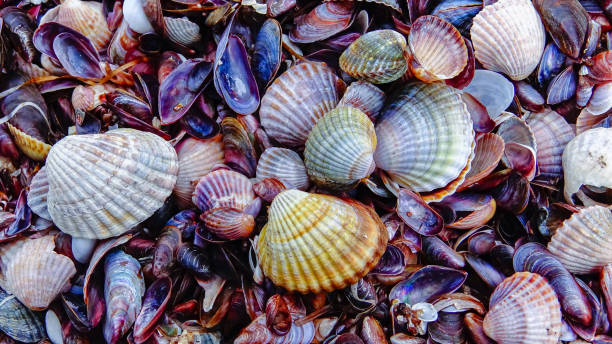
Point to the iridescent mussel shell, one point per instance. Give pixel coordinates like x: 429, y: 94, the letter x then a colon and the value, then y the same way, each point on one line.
x: 509, y: 37
x: 297, y: 99
x: 324, y: 21
x: 37, y: 197
x: 364, y: 96
x: 340, y: 149
x: 378, y: 57
x: 567, y: 22
x: 316, y: 242
x: 19, y: 322
x: 102, y: 185
x: 523, y: 309
x: 284, y: 165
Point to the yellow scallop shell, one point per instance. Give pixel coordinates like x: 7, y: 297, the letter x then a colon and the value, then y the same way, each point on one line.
x: 30, y: 146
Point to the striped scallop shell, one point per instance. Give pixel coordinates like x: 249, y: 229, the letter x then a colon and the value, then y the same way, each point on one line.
x: 29, y: 145
x: 316, y: 242
x: 37, y: 197
x: 340, y: 149
x: 425, y: 137
x: 378, y: 57
x: 438, y: 49
x: 85, y: 17
x: 196, y: 158
x: 102, y: 185
x: 523, y: 309
x: 487, y: 154
x: 284, y: 165
x: 296, y: 100
x: 509, y: 37
x: 364, y: 96
x: 182, y: 31
x: 583, y: 244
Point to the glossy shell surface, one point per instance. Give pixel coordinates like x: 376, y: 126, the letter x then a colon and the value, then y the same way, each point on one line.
x: 285, y: 165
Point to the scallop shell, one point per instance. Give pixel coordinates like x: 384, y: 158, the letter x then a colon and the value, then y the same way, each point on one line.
x: 438, y: 49
x: 196, y: 158
x: 102, y: 185
x: 285, y: 165
x: 487, y: 154
x: 364, y: 96
x: 523, y: 309
x: 182, y: 31
x: 425, y: 137
x: 316, y: 242
x: 37, y: 197
x: 509, y: 37
x: 340, y: 149
x: 29, y: 145
x: 87, y: 98
x: 584, y: 242
x: 378, y: 57
x: 297, y: 99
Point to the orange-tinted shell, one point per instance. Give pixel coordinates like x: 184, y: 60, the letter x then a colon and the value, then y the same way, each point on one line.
x: 30, y: 146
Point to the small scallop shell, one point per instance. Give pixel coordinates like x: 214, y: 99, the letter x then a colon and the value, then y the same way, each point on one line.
x: 509, y: 37
x: 87, y: 98
x: 487, y: 154
x: 377, y: 57
x: 364, y: 96
x: 297, y: 99
x: 523, y: 309
x: 340, y: 149
x: 584, y: 242
x: 182, y: 31
x: 37, y: 197
x: 285, y: 165
x: 102, y: 185
x: 316, y: 242
x: 30, y: 146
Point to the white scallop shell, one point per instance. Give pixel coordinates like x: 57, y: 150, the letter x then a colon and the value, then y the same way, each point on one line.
x: 37, y: 197
x: 284, y: 165
x: 182, y: 31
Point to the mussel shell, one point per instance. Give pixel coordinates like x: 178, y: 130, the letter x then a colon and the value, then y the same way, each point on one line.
x: 19, y: 30
x: 562, y: 87
x: 267, y: 52
x: 492, y: 90
x: 19, y: 322
x: 567, y: 22
x: 428, y: 284
x: 551, y: 64
x: 459, y: 13
x: 153, y: 305
x: 86, y: 17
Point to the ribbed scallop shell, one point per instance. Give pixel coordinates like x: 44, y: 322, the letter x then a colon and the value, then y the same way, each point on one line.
x: 425, y: 137
x: 323, y: 21
x: 316, y: 242
x: 340, y: 149
x: 196, y: 158
x: 285, y: 165
x: 584, y: 242
x: 487, y: 154
x: 296, y: 100
x: 37, y: 197
x: 364, y: 96
x: 30, y: 146
x: 221, y: 189
x: 523, y: 309
x: 182, y: 31
x: 509, y: 37
x: 378, y: 57
x: 102, y: 185
x: 85, y: 17
x: 437, y: 48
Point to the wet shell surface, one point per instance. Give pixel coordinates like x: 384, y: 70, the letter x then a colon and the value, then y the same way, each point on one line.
x: 316, y: 242
x: 102, y: 185
x: 296, y: 100
x: 364, y: 96
x: 285, y: 165
x: 340, y: 149
x: 30, y: 146
x: 523, y: 309
x: 19, y: 322
x: 377, y: 57
x: 324, y: 21
x: 509, y: 37
x: 182, y: 31
x: 37, y: 197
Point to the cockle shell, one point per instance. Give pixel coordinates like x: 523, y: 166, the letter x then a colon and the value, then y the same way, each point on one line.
x: 509, y: 37
x: 32, y: 147
x: 378, y: 57
x: 364, y: 96
x: 340, y: 149
x: 297, y: 99
x: 316, y: 242
x: 37, y: 197
x: 285, y: 165
x: 425, y: 138
x: 102, y: 185
x: 523, y: 309
x: 19, y: 322
x: 487, y: 154
x: 182, y: 31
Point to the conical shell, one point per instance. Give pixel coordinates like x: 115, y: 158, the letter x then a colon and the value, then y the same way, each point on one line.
x: 85, y: 17
x: 340, y: 149
x: 37, y: 197
x: 523, y: 309
x: 425, y: 137
x: 30, y: 146
x: 297, y: 99
x: 316, y: 242
x: 509, y: 37
x: 196, y: 159
x: 102, y: 185
x: 377, y: 57
x: 584, y: 242
x: 364, y: 96
x: 182, y: 31
x: 284, y: 165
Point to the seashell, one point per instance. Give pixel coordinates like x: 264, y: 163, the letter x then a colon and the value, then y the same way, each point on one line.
x: 365, y: 97
x: 267, y: 53
x: 523, y: 309
x: 182, y: 31
x: 315, y: 242
x: 87, y: 98
x: 340, y: 149
x: 394, y: 4
x: 238, y: 146
x: 194, y: 259
x: 37, y: 197
x: 124, y: 39
x: 592, y: 39
x: 587, y: 120
x: 600, y: 67
x: 601, y: 100
x: 582, y: 244
x: 285, y: 165
x: 438, y: 49
x: 102, y: 185
x: 551, y: 64
x: 324, y: 21
x: 19, y: 322
x: 458, y: 13
x: 378, y: 57
x: 297, y: 99
x: 34, y: 148
x: 587, y: 160
x: 492, y: 90
x: 143, y: 16
x: 562, y: 87
x: 520, y: 146
x: 196, y: 158
x: 153, y: 306
x: 567, y: 22
x: 529, y: 97
x: 425, y: 138
x: 509, y: 37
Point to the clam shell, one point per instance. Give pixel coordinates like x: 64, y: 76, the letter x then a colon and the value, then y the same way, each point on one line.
x: 523, y: 309
x: 182, y: 31
x: 29, y: 145
x: 601, y: 100
x: 285, y: 165
x: 297, y: 99
x: 37, y: 197
x: 378, y: 57
x: 340, y: 149
x: 102, y: 185
x: 19, y: 322
x: 324, y: 21
x: 584, y: 242
x: 487, y: 154
x: 316, y: 242
x: 364, y: 96
x: 587, y: 120
x: 509, y: 37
